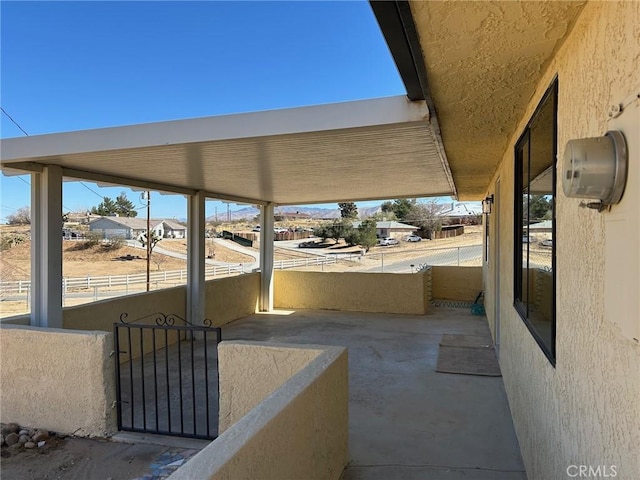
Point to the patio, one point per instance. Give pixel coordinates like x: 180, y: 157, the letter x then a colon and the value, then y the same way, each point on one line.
x: 405, y: 420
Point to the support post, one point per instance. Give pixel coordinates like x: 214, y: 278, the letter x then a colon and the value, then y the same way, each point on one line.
x: 266, y: 257
x: 46, y: 248
x: 195, y: 259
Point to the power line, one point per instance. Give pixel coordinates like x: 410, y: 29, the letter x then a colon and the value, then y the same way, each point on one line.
x: 91, y: 190
x: 22, y: 179
x: 14, y: 122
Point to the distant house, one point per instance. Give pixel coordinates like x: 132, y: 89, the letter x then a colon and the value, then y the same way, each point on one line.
x: 132, y: 228
x: 541, y: 227
x: 173, y: 229
x: 460, y: 213
x: 391, y: 229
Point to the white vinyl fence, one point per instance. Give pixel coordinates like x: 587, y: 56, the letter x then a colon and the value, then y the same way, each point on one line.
x: 176, y: 277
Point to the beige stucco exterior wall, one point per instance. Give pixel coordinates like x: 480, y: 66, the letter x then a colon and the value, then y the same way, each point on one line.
x: 103, y: 314
x: 61, y: 380
x: 456, y: 283
x: 227, y: 299
x: 586, y: 410
x: 298, y: 427
x: 351, y: 291
x: 231, y: 298
x: 249, y: 373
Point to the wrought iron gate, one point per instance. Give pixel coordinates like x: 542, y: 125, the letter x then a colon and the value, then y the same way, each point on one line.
x: 167, y: 376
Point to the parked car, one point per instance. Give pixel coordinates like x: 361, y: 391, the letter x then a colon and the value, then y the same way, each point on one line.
x: 256, y: 228
x: 388, y: 241
x: 547, y: 243
x: 528, y: 239
x: 413, y: 238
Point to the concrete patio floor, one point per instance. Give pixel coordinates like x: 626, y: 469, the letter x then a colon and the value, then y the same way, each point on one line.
x: 406, y: 421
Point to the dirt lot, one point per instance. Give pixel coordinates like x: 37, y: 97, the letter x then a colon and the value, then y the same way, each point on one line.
x: 86, y: 459
x: 79, y: 261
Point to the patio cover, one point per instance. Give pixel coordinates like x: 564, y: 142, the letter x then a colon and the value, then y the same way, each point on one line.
x: 370, y: 149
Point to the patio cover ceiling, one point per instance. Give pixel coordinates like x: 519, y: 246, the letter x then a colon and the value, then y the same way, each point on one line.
x: 371, y: 149
x: 483, y: 62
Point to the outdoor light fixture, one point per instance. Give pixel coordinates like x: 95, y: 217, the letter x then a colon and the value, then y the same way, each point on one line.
x: 486, y: 204
x: 596, y: 168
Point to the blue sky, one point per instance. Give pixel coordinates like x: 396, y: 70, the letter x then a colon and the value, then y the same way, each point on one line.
x: 80, y: 65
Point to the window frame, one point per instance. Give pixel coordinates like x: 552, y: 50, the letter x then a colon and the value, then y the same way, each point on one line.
x: 551, y: 94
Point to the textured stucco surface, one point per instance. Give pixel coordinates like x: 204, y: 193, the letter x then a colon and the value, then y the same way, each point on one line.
x: 456, y: 283
x: 248, y: 373
x: 587, y: 409
x: 103, y: 314
x: 231, y: 298
x: 351, y: 291
x: 300, y: 430
x: 227, y: 299
x: 484, y: 60
x: 61, y: 380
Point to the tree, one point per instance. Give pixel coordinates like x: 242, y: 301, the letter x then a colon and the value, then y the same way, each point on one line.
x: 387, y: 207
x: 121, y: 207
x: 367, y: 233
x: 155, y: 238
x: 539, y: 208
x: 22, y: 216
x: 340, y: 229
x: 401, y: 207
x: 426, y: 216
x: 158, y: 259
x: 322, y: 231
x: 352, y: 237
x: 337, y: 229
x: 348, y: 210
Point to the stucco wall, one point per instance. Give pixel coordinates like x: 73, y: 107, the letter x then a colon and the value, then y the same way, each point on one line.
x: 300, y: 427
x: 16, y: 320
x: 61, y: 380
x: 227, y: 299
x: 456, y: 283
x: 103, y: 314
x: 231, y: 298
x: 351, y: 291
x: 261, y: 371
x: 586, y: 410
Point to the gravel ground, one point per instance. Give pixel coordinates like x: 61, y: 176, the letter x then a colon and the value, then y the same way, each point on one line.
x: 88, y: 459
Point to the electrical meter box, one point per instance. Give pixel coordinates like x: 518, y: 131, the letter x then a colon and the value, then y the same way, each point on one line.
x: 596, y: 168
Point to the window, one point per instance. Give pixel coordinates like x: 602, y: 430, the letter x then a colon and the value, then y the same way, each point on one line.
x: 535, y: 239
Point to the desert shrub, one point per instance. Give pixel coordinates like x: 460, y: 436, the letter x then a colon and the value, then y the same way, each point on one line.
x: 10, y: 240
x: 113, y: 243
x: 93, y: 238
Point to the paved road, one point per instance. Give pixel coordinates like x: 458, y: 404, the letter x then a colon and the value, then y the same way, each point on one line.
x: 448, y: 256
x: 183, y: 256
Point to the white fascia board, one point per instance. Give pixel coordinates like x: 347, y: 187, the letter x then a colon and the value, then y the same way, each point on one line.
x: 336, y: 116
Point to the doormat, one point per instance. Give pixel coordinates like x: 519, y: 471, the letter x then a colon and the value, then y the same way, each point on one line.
x: 467, y: 356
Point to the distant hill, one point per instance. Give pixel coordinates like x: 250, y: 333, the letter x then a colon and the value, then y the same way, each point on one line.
x: 249, y: 213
